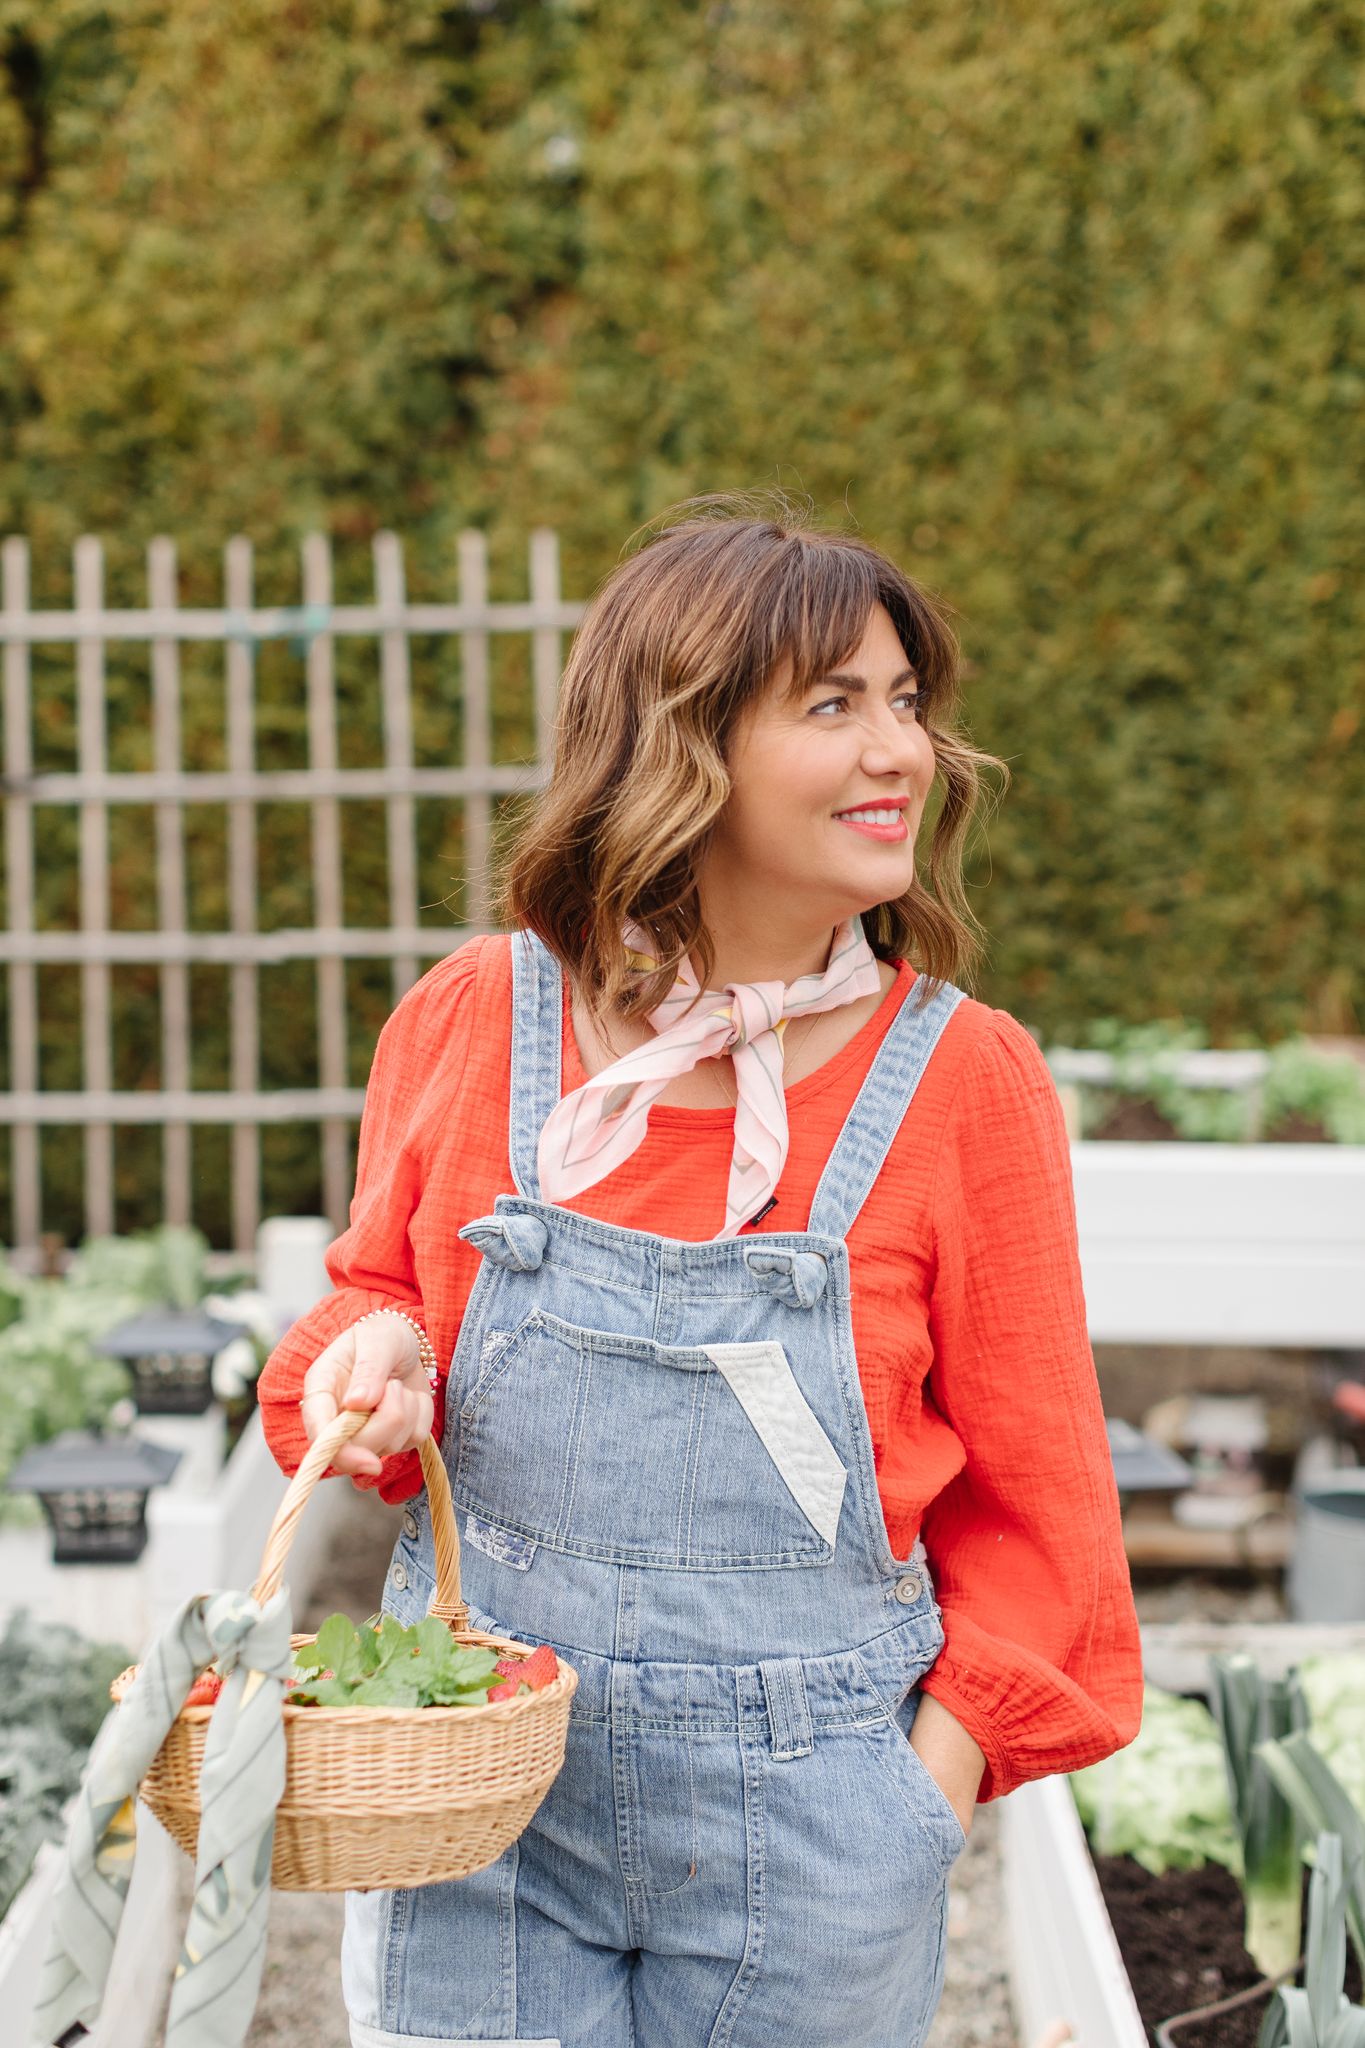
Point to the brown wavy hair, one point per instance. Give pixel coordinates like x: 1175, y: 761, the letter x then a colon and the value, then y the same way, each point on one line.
x: 679, y: 640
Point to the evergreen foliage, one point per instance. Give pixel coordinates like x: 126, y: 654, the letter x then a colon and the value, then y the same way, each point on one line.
x: 1061, y: 302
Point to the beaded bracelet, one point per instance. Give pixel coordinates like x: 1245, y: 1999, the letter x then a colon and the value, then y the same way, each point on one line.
x: 425, y: 1349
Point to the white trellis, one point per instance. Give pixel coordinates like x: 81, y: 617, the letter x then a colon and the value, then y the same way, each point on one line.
x: 239, y: 627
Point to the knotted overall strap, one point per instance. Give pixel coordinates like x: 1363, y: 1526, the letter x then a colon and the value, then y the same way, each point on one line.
x: 241, y: 1782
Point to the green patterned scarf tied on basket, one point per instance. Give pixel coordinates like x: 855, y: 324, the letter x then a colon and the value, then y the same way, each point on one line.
x: 241, y: 1782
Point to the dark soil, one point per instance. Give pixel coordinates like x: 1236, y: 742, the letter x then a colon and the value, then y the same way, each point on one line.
x: 1297, y: 1130
x: 1133, y: 1119
x: 1180, y: 1936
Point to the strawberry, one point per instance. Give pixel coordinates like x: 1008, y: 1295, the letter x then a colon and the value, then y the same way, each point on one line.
x: 205, y: 1690
x: 505, y: 1689
x: 506, y: 1667
x: 540, y: 1669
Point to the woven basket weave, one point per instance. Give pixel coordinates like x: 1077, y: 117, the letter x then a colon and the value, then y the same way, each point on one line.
x: 383, y: 1796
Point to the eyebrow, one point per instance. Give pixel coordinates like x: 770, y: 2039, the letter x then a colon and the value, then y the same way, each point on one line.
x: 858, y: 684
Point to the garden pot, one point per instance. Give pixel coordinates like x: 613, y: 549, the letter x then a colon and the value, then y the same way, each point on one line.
x: 1326, y: 1578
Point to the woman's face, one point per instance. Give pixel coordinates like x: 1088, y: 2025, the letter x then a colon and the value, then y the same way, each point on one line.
x: 854, y: 742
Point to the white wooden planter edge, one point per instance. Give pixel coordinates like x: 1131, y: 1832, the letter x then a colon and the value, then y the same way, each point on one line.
x: 1063, y: 1956
x: 1187, y: 1243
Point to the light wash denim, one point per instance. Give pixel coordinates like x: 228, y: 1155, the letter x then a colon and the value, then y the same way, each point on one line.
x: 661, y: 1464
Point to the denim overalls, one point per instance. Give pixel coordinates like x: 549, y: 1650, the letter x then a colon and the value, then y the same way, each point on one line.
x: 661, y: 1464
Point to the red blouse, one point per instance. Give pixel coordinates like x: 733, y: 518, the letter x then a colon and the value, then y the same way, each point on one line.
x: 968, y: 1318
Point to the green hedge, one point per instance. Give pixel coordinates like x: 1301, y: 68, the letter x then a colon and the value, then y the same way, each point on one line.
x: 1062, y: 304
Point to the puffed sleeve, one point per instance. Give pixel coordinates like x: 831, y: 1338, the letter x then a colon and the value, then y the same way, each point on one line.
x: 1042, y: 1659
x: 371, y: 1264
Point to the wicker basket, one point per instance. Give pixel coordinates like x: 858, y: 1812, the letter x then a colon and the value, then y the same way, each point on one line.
x: 383, y: 1795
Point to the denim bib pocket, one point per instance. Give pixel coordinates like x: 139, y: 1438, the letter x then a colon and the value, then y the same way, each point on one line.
x: 691, y: 1457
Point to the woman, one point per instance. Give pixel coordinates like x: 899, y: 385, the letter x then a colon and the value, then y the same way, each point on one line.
x: 770, y: 1401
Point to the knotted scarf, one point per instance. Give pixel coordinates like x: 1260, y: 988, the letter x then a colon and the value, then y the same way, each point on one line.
x: 594, y: 1128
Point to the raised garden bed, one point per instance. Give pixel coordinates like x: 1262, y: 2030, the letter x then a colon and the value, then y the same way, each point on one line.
x: 1103, y: 1944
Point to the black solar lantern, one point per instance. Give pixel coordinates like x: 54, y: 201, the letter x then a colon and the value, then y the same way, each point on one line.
x: 94, y: 1492
x: 171, y: 1353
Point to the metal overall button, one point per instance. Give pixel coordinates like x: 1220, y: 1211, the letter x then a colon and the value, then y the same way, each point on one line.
x: 798, y: 1278
x: 908, y: 1588
x: 516, y: 1242
x: 409, y: 1522
x: 399, y: 1577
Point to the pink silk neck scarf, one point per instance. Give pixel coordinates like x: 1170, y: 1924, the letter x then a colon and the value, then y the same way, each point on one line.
x: 594, y: 1128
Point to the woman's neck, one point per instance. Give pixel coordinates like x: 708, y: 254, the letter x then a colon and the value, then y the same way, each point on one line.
x: 756, y: 951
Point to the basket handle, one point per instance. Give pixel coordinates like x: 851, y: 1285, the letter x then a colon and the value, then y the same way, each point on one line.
x: 447, y: 1604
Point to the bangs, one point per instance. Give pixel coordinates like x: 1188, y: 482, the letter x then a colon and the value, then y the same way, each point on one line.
x: 823, y: 600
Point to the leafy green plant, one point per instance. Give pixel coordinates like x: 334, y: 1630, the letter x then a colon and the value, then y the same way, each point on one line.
x: 1249, y: 1709
x: 153, y: 1266
x: 1146, y: 1061
x: 54, y: 1378
x: 1325, y: 1088
x: 1309, y: 1784
x: 1164, y: 1799
x: 392, y: 1666
x: 1319, y: 2014
x: 1300, y: 1080
x: 1334, y: 1686
x: 54, y: 1696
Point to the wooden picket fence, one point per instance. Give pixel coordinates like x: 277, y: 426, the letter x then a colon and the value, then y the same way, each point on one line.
x: 239, y: 627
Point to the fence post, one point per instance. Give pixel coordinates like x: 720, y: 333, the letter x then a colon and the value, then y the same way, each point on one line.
x: 327, y: 890
x: 96, y: 1023
x: 245, y: 1030
x: 23, y: 974
x: 170, y: 883
x: 395, y: 683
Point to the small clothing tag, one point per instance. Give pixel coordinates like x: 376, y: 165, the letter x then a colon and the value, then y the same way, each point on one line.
x: 771, y: 1203
x: 502, y: 1544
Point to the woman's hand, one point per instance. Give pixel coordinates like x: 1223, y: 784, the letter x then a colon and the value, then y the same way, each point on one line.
x: 375, y: 1364
x: 952, y: 1757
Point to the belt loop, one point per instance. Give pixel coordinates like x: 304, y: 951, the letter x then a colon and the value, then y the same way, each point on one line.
x: 784, y: 1686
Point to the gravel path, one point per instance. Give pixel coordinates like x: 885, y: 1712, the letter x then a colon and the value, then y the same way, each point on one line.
x: 300, y: 2002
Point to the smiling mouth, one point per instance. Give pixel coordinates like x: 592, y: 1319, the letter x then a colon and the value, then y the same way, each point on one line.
x: 883, y: 821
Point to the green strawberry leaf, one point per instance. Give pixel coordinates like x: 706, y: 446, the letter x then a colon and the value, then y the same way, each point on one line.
x: 433, y: 1637
x: 339, y: 1646
x: 323, y: 1692
x: 387, y: 1688
x: 392, y: 1639
x: 463, y: 1679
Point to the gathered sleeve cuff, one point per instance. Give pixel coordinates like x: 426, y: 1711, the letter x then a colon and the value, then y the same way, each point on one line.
x: 371, y: 1264
x: 1042, y: 1656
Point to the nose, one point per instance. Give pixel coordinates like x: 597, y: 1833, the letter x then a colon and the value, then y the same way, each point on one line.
x: 893, y: 747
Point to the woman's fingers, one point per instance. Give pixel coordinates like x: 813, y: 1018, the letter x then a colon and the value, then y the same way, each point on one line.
x: 375, y: 1365
x: 386, y: 1431
x: 385, y: 1350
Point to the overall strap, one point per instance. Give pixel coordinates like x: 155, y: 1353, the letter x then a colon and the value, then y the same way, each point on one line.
x: 537, y: 1054
x: 860, y: 1150
x: 858, y: 1153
